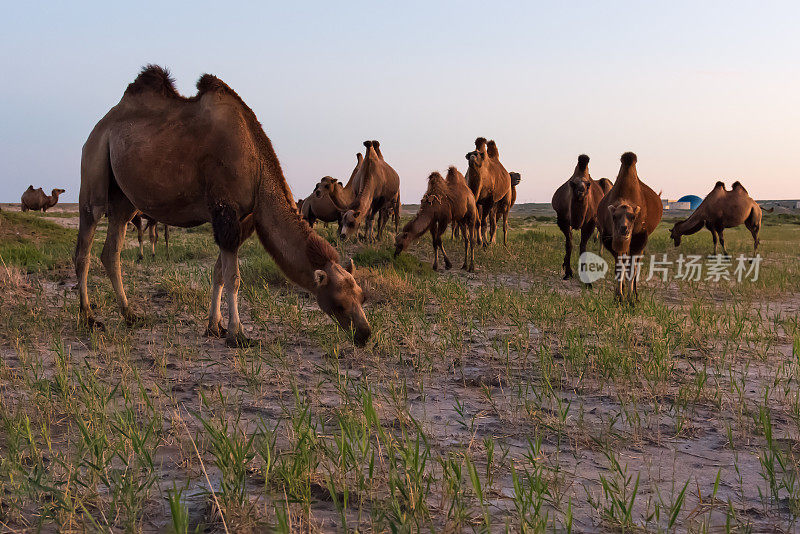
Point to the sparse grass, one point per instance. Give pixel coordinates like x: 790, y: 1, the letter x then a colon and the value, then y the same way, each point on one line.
x: 505, y: 400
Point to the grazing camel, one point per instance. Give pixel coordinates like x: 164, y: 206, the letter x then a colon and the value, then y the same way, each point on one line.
x: 575, y: 203
x: 187, y: 161
x: 626, y: 217
x: 447, y: 201
x: 320, y: 206
x: 36, y: 199
x: 144, y: 222
x: 376, y: 184
x: 490, y: 183
x: 719, y: 210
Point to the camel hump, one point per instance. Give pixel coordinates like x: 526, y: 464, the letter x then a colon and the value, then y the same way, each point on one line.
x: 738, y: 185
x: 491, y: 150
x: 583, y: 162
x: 628, y: 159
x: 720, y: 184
x: 209, y: 83
x: 480, y: 143
x: 367, y: 144
x: 30, y: 187
x: 453, y: 174
x: 359, y: 157
x: 516, y: 178
x: 435, y: 176
x: 155, y: 79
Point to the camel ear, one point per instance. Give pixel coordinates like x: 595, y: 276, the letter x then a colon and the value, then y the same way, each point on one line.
x: 320, y: 278
x: 350, y: 267
x: 636, y: 210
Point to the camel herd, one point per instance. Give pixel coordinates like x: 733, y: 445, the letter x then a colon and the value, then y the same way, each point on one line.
x: 184, y: 161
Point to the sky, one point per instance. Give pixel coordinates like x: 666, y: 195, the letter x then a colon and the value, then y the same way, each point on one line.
x: 701, y: 91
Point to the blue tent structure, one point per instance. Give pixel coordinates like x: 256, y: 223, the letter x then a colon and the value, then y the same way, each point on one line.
x: 693, y: 200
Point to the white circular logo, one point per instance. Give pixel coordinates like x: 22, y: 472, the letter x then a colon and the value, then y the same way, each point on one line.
x: 591, y: 267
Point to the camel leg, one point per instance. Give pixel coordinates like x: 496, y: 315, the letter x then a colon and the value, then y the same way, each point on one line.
x: 447, y: 263
x: 153, y: 234
x: 493, y: 225
x: 462, y: 228
x: 166, y: 238
x: 714, y: 238
x: 434, y: 230
x: 505, y: 227
x: 83, y: 250
x: 586, y: 234
x: 397, y: 214
x: 484, y: 227
x: 137, y: 222
x: 754, y: 232
x: 231, y: 279
x: 567, y: 231
x: 119, y: 213
x: 215, y: 328
x: 722, y: 241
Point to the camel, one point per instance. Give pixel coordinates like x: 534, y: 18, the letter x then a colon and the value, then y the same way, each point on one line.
x: 144, y: 222
x: 36, y: 199
x: 320, y: 206
x: 187, y: 161
x: 719, y: 210
x: 447, y: 201
x: 626, y: 217
x: 491, y: 185
x: 575, y: 203
x: 376, y: 184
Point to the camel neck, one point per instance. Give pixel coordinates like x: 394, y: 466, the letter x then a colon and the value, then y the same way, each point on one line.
x: 288, y: 238
x: 421, y: 222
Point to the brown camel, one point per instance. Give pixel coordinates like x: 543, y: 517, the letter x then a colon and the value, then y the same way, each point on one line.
x: 626, y: 217
x: 376, y: 184
x: 144, y: 222
x: 186, y: 161
x: 575, y: 203
x: 320, y: 206
x: 491, y: 184
x: 447, y: 201
x: 36, y: 199
x: 719, y: 210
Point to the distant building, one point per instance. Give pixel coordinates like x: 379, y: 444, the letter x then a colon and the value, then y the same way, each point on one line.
x: 693, y: 200
x: 670, y: 204
x: 797, y: 205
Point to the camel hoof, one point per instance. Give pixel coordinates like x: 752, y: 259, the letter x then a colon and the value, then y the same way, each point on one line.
x: 567, y: 276
x: 139, y: 259
x: 218, y: 332
x: 240, y: 341
x: 448, y: 266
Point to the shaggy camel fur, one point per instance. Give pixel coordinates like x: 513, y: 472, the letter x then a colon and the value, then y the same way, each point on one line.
x: 575, y: 203
x: 320, y: 206
x: 719, y: 210
x: 447, y: 201
x: 186, y: 161
x: 377, y: 185
x: 626, y: 217
x: 144, y: 222
x: 490, y: 183
x: 36, y: 199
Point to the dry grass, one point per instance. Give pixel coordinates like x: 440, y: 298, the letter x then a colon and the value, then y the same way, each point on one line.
x: 501, y: 400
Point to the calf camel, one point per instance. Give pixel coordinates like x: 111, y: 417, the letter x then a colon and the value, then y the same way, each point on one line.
x: 36, y: 199
x: 490, y: 183
x: 376, y: 184
x: 719, y: 210
x: 626, y: 217
x: 186, y: 161
x: 144, y: 222
x: 447, y: 201
x: 575, y: 203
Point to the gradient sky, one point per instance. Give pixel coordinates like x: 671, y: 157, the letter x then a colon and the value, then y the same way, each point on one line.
x: 701, y: 91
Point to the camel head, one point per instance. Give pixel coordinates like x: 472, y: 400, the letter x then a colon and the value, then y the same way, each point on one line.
x: 339, y: 295
x: 476, y: 159
x: 401, y: 242
x: 325, y: 186
x: 623, y: 215
x: 350, y: 222
x: 581, y: 182
x: 675, y: 236
x: 57, y: 192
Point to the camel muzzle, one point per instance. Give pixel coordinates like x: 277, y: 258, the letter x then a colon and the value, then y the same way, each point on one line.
x: 361, y: 336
